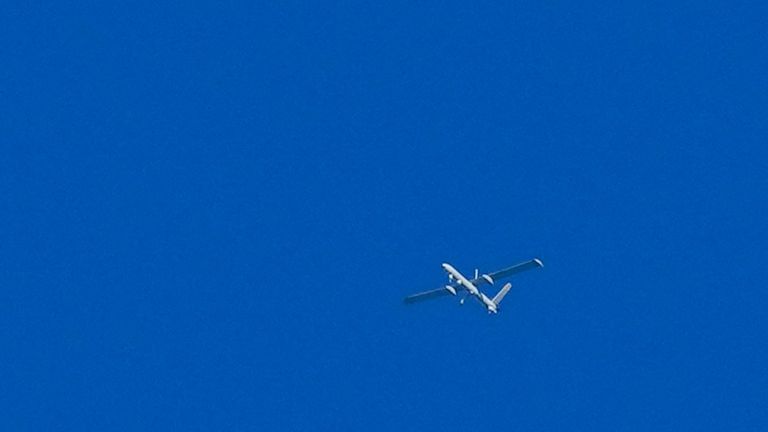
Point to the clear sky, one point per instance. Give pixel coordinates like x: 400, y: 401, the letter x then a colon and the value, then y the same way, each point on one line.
x: 210, y: 214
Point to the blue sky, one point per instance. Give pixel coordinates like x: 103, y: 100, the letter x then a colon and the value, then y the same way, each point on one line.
x: 211, y: 212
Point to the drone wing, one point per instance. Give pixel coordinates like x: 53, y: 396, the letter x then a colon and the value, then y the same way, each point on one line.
x: 509, y: 271
x: 426, y: 295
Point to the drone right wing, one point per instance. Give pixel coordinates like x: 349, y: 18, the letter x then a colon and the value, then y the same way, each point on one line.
x: 427, y: 295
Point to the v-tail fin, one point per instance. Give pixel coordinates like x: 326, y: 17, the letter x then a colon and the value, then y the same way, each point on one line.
x: 500, y: 295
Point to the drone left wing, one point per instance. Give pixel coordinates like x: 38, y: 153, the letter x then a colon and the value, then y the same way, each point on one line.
x: 426, y: 295
x: 509, y: 271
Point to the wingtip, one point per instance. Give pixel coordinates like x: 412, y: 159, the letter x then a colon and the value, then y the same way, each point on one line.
x: 538, y: 261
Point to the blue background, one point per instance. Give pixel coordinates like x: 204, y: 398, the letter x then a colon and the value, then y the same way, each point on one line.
x: 210, y: 214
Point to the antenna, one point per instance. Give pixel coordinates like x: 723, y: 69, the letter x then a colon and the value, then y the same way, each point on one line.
x: 477, y: 271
